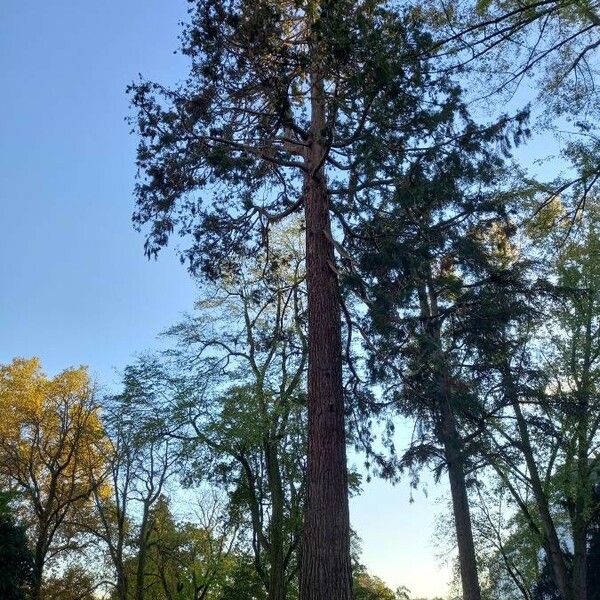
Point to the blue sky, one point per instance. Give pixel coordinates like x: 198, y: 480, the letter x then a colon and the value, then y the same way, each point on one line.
x: 75, y: 287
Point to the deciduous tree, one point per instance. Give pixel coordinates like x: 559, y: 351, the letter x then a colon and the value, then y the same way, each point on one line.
x: 51, y: 438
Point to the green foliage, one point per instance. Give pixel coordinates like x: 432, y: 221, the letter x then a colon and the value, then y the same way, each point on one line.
x: 16, y: 560
x: 430, y: 254
x: 187, y: 560
x: 222, y: 155
x: 242, y: 581
x: 231, y: 390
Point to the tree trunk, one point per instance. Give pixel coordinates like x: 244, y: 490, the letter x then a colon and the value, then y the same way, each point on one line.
x: 447, y: 432
x: 580, y: 563
x: 39, y: 559
x: 583, y: 491
x: 325, y: 569
x: 460, y: 504
x: 140, y: 576
x: 552, y: 542
x: 583, y: 488
x: 277, y: 584
x: 36, y: 588
x: 121, y: 587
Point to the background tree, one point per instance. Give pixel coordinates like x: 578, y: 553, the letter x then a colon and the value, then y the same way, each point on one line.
x: 235, y: 394
x: 16, y: 560
x: 536, y: 440
x: 140, y: 462
x: 113, y: 525
x: 370, y: 587
x: 423, y: 251
x: 188, y: 560
x: 71, y: 583
x: 50, y: 440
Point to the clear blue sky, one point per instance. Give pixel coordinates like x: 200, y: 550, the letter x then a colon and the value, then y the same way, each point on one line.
x: 74, y: 284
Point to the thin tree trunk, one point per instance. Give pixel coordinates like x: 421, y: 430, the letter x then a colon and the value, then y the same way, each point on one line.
x: 555, y: 553
x: 580, y: 563
x: 450, y: 438
x: 140, y: 576
x: 38, y: 568
x: 582, y: 494
x: 583, y: 487
x: 277, y: 584
x: 325, y: 569
x: 121, y: 588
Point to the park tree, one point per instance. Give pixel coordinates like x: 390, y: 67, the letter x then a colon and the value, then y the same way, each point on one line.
x: 514, y: 562
x: 140, y: 461
x: 289, y: 106
x: 51, y: 439
x: 190, y: 560
x: 425, y: 252
x: 241, y: 580
x: 540, y: 431
x: 371, y: 587
x: 235, y: 397
x: 72, y: 582
x: 113, y: 526
x: 572, y: 409
x: 554, y: 42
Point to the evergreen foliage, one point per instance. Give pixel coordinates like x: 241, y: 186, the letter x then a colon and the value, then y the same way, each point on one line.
x: 16, y: 560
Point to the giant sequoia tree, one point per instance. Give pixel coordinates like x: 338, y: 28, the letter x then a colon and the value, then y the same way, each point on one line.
x: 289, y: 105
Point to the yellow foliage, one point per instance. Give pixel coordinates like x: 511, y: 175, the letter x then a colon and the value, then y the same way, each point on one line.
x: 52, y: 443
x: 546, y: 219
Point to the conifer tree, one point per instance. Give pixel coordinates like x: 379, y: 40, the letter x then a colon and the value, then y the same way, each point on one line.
x: 423, y: 252
x: 16, y: 560
x: 289, y: 105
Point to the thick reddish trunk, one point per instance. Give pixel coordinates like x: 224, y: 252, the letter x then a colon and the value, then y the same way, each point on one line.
x: 326, y: 571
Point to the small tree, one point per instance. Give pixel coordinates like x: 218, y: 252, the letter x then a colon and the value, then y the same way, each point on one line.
x: 234, y: 393
x: 139, y: 460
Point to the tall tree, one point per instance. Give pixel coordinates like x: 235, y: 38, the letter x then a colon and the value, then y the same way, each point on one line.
x: 540, y: 435
x: 140, y: 461
x: 423, y: 251
x: 289, y: 105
